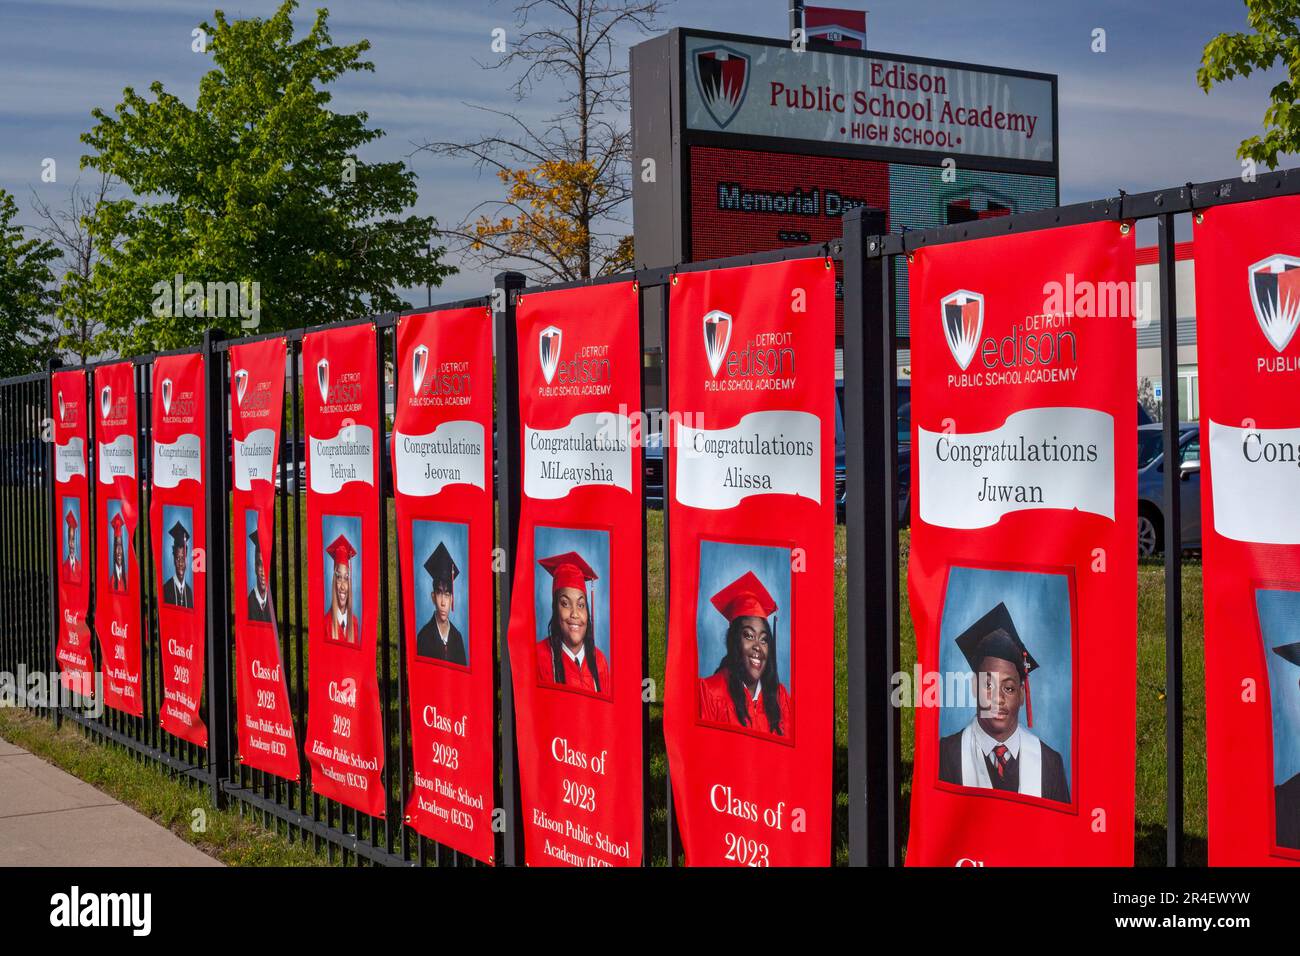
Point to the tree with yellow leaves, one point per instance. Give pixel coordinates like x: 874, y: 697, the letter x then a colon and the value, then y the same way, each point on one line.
x: 567, y: 180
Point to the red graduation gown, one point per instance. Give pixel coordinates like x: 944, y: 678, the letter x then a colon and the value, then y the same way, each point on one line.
x: 335, y: 633
x: 574, y: 676
x: 717, y: 707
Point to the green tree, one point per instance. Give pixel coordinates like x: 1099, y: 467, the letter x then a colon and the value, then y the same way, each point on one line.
x: 258, y: 182
x: 1276, y: 36
x: 27, y: 333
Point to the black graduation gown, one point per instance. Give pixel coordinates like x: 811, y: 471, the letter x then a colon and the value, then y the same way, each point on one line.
x: 256, y: 611
x: 171, y: 597
x: 1287, y: 796
x: 428, y: 643
x: 1054, y: 784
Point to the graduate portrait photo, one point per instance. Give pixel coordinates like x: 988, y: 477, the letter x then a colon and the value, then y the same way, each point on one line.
x: 1007, y: 724
x: 1279, y: 623
x: 743, y: 654
x: 441, y: 591
x: 70, y: 555
x: 259, y: 606
x: 176, y: 561
x: 571, y: 608
x: 341, y: 572
x: 117, y: 546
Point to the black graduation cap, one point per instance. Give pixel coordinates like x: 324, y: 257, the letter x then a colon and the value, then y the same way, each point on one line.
x: 1289, y: 652
x: 995, y: 635
x: 180, y: 536
x: 440, y: 566
x: 254, y: 537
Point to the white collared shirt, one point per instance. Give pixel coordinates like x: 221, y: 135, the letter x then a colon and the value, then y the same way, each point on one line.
x: 445, y: 635
x: 987, y: 743
x: 180, y: 588
x: 341, y: 620
x: 261, y: 598
x: 577, y: 658
x: 758, y: 690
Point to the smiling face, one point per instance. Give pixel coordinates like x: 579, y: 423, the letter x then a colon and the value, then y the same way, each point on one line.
x: 118, y: 557
x: 342, y: 586
x: 755, y: 647
x: 571, y: 605
x: 1001, y: 693
x: 179, y: 555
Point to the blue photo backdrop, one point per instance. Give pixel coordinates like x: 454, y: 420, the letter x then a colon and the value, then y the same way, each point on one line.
x: 1279, y: 623
x: 185, y: 516
x: 1039, y: 605
x: 71, y: 506
x: 425, y: 538
x: 722, y: 563
x: 594, y: 548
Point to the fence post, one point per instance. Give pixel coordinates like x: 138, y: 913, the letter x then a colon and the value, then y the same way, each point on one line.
x: 871, y: 516
x: 217, y: 565
x: 1173, y: 548
x: 56, y: 530
x: 510, y: 844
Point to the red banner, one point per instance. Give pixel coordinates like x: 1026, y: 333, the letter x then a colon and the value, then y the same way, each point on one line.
x: 177, y: 517
x: 345, y: 744
x: 265, y: 718
x: 71, y: 492
x: 117, y: 514
x: 749, y: 707
x: 1022, y: 576
x: 442, y: 471
x: 1247, y: 312
x: 576, y: 614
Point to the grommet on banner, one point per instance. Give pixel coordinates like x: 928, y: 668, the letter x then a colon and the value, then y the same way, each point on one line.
x: 674, y: 280
x: 829, y: 263
x: 910, y: 257
x: 635, y: 286
x: 1200, y: 218
x: 1125, y: 229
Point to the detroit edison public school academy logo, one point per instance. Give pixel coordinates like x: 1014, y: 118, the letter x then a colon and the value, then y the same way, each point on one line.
x: 722, y: 77
x: 419, y: 362
x: 548, y: 351
x: 963, y: 321
x: 717, y: 336
x: 1275, y: 294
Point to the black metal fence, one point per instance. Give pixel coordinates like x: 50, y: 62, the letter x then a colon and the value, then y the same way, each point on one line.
x: 874, y: 773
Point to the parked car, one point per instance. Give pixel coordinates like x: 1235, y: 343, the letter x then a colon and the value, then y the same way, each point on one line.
x: 1151, y: 487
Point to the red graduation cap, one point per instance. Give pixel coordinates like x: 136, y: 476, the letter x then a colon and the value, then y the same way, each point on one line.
x: 568, y: 570
x: 118, y: 522
x: 341, y: 550
x: 71, y: 520
x: 744, y: 597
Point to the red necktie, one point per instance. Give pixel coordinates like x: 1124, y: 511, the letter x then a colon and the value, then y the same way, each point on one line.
x: 1000, y: 751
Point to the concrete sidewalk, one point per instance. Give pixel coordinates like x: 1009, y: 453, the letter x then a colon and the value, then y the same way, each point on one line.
x: 50, y: 818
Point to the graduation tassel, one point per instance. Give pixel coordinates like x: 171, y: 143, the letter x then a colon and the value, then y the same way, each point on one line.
x: 1029, y: 701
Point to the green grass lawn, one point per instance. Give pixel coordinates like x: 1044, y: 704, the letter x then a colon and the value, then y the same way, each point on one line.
x: 153, y: 792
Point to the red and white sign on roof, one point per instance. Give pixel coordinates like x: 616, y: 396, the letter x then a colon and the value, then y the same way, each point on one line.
x: 846, y: 29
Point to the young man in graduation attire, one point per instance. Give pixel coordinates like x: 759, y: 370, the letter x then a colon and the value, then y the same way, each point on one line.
x: 117, y: 567
x: 746, y: 689
x: 567, y: 655
x: 71, y: 563
x: 340, y: 623
x: 259, y: 597
x: 175, y: 592
x: 993, y: 751
x: 439, y: 639
x: 1287, y: 795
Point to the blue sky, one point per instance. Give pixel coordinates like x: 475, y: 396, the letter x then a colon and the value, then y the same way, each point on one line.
x: 1131, y: 118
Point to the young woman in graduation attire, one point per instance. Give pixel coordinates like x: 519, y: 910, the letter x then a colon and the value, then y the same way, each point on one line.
x: 746, y: 689
x: 567, y: 655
